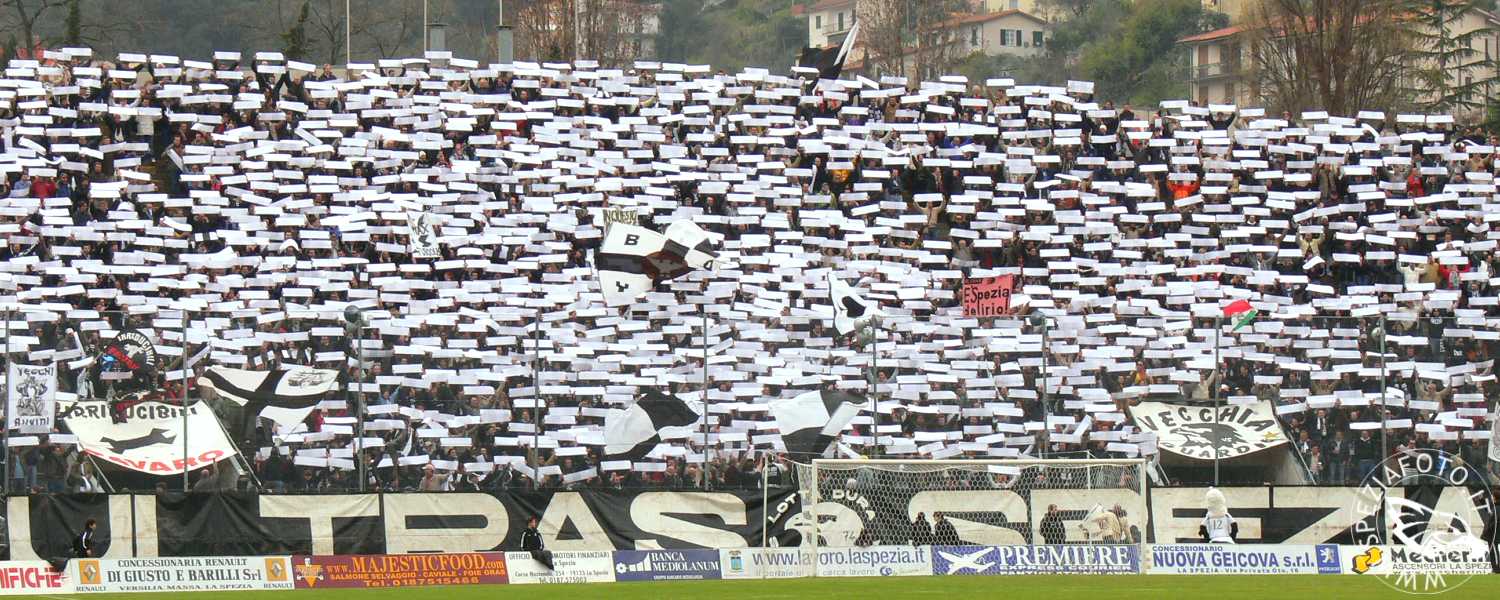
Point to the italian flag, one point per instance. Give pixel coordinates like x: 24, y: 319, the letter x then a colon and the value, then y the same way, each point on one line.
x: 1242, y: 312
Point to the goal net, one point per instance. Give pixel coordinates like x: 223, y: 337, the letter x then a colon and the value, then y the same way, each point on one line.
x: 984, y: 502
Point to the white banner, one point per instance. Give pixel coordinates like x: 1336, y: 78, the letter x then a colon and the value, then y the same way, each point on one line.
x: 766, y: 563
x: 424, y: 235
x: 1191, y: 431
x: 150, y: 439
x: 874, y: 561
x: 186, y: 574
x: 1246, y: 559
x: 567, y: 567
x: 19, y: 577
x: 31, y: 396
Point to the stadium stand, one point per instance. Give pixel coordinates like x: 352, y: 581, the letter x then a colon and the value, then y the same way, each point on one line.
x: 231, y: 209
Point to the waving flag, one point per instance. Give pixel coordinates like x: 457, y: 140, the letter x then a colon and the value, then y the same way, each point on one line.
x: 850, y: 311
x: 630, y: 435
x: 810, y: 422
x: 1243, y: 313
x: 285, y: 395
x: 633, y: 259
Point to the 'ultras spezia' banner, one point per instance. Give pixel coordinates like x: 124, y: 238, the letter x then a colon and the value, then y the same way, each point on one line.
x: 1191, y: 430
x: 196, y: 574
x: 1245, y: 559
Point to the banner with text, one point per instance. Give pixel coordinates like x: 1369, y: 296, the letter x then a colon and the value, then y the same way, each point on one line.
x: 567, y: 567
x: 1194, y: 431
x: 766, y: 563
x: 660, y: 565
x: 187, y: 574
x: 874, y: 561
x: 1028, y: 560
x: 405, y: 570
x: 1242, y: 559
x: 31, y: 399
x: 239, y: 524
x: 25, y: 577
x: 148, y: 437
x: 988, y: 297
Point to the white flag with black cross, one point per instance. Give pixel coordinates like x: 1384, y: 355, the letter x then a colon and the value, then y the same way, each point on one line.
x: 810, y: 422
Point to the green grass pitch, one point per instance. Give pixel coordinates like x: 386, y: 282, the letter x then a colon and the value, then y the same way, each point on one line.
x: 1050, y: 587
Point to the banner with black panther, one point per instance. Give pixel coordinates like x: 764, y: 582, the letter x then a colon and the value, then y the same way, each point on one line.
x: 1194, y: 431
x: 150, y: 437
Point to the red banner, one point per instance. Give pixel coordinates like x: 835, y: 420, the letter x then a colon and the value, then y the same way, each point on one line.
x: 988, y: 297
x: 399, y: 570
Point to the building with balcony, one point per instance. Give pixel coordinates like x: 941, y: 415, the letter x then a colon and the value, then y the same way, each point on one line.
x: 1216, y: 73
x: 829, y: 21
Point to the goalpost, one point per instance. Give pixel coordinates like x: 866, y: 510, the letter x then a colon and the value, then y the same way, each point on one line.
x: 999, y: 502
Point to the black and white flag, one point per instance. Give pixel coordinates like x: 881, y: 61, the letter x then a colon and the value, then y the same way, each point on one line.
x: 850, y: 311
x: 31, y: 397
x: 424, y: 234
x: 631, y: 434
x: 284, y: 395
x: 634, y: 259
x: 829, y: 62
x: 810, y: 422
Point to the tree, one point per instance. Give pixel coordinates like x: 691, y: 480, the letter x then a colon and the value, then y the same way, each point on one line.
x: 29, y: 15
x: 1342, y: 56
x: 294, y: 41
x: 1450, y: 74
x: 909, y: 38
x: 73, y: 26
x: 680, y: 30
x: 1139, y: 61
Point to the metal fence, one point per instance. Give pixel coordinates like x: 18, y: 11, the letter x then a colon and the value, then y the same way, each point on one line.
x: 437, y: 413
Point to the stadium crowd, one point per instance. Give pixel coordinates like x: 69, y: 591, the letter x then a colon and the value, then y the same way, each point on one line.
x: 231, y: 208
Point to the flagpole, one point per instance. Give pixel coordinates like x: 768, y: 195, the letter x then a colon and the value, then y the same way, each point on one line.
x: 185, y: 389
x: 703, y: 309
x: 1214, y: 389
x: 536, y: 402
x: 875, y: 387
x: 5, y: 486
x: 1039, y: 320
x: 765, y: 497
x: 1384, y: 450
x: 359, y: 423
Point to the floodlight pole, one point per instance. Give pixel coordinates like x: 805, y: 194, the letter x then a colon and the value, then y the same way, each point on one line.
x: 348, y: 36
x: 5, y: 481
x: 536, y: 402
x: 1040, y: 320
x: 1217, y: 375
x: 1380, y: 335
x: 703, y: 472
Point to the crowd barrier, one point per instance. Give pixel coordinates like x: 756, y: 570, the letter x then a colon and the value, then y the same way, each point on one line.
x: 475, y: 568
x: 318, y: 572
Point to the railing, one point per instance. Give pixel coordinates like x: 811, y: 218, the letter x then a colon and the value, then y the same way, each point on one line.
x: 426, y: 428
x: 1218, y: 69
